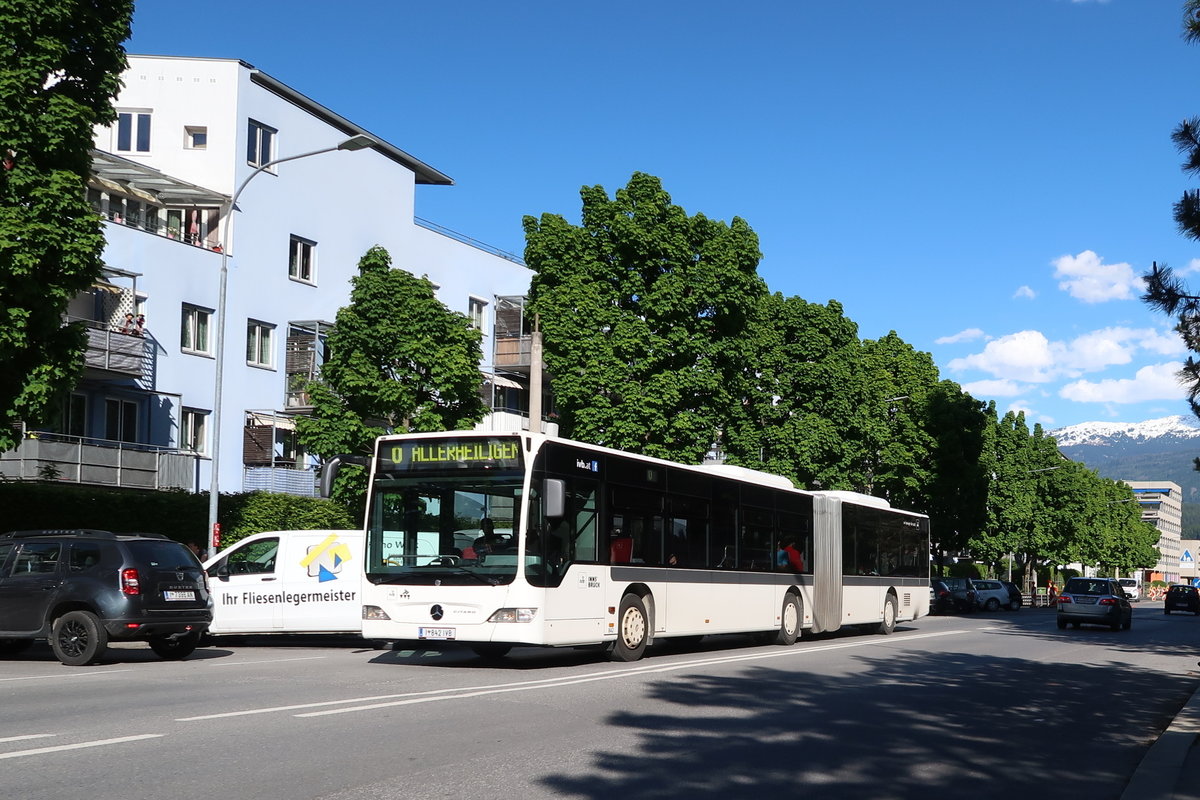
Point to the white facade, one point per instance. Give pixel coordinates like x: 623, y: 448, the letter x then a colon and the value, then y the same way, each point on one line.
x: 1162, y: 506
x: 193, y: 119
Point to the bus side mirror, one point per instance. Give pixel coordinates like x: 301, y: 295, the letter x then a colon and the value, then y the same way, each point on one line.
x: 329, y: 471
x: 554, y: 498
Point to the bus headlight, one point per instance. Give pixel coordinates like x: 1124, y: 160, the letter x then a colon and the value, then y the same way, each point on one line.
x: 513, y: 615
x: 374, y: 612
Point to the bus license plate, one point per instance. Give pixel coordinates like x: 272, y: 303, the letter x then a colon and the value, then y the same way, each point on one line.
x: 435, y: 633
x: 169, y: 595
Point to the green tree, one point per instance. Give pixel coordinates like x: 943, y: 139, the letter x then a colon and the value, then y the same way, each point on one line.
x: 399, y: 361
x: 957, y: 484
x: 800, y: 399
x: 645, y: 313
x: 60, y: 67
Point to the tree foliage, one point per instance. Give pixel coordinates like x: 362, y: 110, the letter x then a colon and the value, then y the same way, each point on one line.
x: 60, y: 66
x: 796, y: 415
x: 645, y: 313
x: 399, y: 361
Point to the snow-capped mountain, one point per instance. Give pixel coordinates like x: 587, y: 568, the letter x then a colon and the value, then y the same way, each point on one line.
x: 1104, y: 434
x: 1154, y: 450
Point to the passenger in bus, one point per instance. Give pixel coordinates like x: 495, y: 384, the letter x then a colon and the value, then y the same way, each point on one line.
x: 789, y: 557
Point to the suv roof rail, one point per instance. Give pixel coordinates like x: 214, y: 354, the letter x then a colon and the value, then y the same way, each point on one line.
x: 146, y: 535
x: 93, y: 532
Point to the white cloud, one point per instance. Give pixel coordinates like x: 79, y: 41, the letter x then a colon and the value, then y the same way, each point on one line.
x: 968, y: 335
x: 999, y: 388
x: 1024, y: 292
x: 1155, y: 382
x: 1023, y: 356
x: 1086, y: 277
x: 1029, y: 356
x: 1192, y: 266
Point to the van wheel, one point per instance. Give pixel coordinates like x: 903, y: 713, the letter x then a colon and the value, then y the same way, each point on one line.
x: 789, y: 625
x: 632, y: 629
x: 889, y: 616
x: 77, y: 638
x: 175, y: 649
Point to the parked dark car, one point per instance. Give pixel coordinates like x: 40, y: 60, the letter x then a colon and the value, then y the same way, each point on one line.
x: 1182, y: 598
x: 1095, y: 601
x: 79, y: 589
x: 1016, y: 598
x: 963, y: 592
x: 941, y: 599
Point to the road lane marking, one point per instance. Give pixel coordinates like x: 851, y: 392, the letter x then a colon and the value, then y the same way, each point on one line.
x: 271, y: 661
x: 480, y: 691
x: 66, y: 675
x: 408, y: 698
x: 28, y: 736
x: 79, y: 745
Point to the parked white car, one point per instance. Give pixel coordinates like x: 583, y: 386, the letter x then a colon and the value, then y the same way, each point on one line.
x: 991, y: 595
x: 1132, y: 588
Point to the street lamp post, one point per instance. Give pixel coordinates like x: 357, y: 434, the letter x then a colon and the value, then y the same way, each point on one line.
x: 353, y: 143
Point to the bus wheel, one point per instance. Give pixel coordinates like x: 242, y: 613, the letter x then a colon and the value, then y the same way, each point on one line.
x: 789, y: 626
x: 631, y: 629
x: 889, y: 615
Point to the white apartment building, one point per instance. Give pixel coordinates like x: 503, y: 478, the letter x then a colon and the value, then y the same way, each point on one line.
x: 190, y: 132
x: 1162, y: 506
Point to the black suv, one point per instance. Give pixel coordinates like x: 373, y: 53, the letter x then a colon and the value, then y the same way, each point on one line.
x: 81, y: 588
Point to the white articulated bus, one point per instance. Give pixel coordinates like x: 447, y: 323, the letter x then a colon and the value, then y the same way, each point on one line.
x: 498, y: 540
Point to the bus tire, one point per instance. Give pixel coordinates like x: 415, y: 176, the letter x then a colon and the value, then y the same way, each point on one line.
x: 789, y: 622
x: 889, y: 615
x: 632, y: 629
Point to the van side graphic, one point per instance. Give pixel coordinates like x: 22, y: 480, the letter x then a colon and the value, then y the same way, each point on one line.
x: 324, y: 561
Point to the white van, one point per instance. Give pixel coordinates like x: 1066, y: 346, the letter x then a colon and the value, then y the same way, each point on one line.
x: 288, y: 582
x: 1132, y: 588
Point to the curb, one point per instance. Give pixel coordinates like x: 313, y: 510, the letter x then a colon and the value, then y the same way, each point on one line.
x: 1161, y: 774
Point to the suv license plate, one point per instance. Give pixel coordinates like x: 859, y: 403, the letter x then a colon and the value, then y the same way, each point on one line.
x: 169, y: 595
x: 435, y: 633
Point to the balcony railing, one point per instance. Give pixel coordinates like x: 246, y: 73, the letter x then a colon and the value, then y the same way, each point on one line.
x: 100, y: 462
x: 122, y: 353
x: 302, y: 482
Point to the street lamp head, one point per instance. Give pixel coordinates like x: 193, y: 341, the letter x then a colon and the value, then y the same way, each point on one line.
x: 357, y: 143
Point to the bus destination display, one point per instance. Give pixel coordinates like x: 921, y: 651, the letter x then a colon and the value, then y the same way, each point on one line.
x: 442, y: 454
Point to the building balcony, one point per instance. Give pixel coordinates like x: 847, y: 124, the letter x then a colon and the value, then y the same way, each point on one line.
x: 281, y: 480
x: 114, y: 354
x: 100, y: 462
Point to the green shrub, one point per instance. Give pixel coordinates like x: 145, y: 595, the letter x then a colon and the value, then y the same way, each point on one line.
x: 181, y: 515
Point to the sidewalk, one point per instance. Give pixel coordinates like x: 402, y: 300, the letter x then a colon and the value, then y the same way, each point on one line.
x: 1171, y: 769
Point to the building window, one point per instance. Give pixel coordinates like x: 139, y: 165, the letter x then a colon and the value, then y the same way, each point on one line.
x: 133, y: 132
x: 194, y: 330
x: 120, y: 420
x: 302, y: 260
x: 477, y: 311
x: 260, y: 144
x: 259, y: 352
x: 193, y: 434
x: 195, y: 137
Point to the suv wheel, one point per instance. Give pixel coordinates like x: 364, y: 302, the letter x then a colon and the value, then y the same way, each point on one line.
x: 78, y: 638
x: 175, y: 648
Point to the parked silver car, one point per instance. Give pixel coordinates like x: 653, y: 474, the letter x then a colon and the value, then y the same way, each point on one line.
x: 1095, y: 601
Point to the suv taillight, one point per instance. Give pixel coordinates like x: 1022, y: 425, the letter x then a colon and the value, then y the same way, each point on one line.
x: 1064, y: 599
x: 129, y: 582
x: 1108, y: 601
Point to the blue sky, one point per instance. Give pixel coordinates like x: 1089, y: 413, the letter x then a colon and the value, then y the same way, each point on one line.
x: 987, y: 178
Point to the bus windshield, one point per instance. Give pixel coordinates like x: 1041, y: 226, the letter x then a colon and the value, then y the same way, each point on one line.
x: 452, y: 529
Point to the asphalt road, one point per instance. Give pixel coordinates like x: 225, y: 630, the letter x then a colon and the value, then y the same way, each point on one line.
x: 991, y: 705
